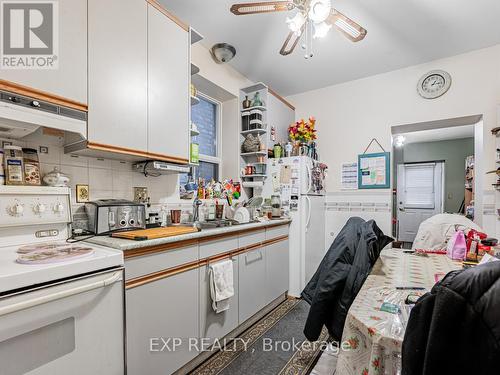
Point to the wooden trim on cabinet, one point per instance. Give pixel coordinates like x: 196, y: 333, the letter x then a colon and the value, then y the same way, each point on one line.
x: 131, y: 151
x: 155, y: 276
x: 174, y: 18
x: 18, y: 89
x: 280, y: 98
x: 159, y: 248
x: 183, y: 243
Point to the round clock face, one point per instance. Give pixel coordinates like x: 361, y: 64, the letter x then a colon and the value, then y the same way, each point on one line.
x: 434, y: 84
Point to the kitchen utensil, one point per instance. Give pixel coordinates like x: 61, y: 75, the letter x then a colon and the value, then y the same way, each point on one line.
x: 153, y: 233
x: 175, y: 216
x: 255, y: 201
x: 219, y: 211
x: 242, y: 215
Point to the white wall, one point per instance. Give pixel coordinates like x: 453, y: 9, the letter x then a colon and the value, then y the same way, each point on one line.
x: 227, y: 82
x: 349, y: 115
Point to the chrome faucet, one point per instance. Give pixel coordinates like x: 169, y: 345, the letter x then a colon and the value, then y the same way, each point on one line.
x: 197, y: 202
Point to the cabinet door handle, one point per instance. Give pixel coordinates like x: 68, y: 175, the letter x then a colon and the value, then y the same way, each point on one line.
x: 250, y: 259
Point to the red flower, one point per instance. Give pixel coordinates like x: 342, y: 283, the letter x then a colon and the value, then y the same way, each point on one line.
x: 376, y: 363
x: 371, y: 331
x: 364, y: 372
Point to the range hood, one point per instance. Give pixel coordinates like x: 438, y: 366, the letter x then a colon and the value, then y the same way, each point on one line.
x: 155, y: 168
x: 22, y: 115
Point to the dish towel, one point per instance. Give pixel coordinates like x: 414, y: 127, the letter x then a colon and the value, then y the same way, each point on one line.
x: 221, y: 284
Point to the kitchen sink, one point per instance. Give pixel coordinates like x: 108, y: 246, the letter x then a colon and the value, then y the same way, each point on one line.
x: 214, y: 224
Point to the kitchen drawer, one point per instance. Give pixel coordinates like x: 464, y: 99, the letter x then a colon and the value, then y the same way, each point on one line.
x: 146, y: 264
x: 277, y: 231
x: 252, y: 238
x: 217, y: 246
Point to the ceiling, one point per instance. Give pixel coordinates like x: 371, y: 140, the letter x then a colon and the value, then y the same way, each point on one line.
x: 400, y: 33
x: 443, y: 134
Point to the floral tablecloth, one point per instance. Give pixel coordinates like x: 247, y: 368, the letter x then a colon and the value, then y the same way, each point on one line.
x: 372, y: 338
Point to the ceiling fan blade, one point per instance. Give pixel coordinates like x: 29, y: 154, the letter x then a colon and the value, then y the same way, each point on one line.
x: 346, y: 26
x: 290, y: 43
x: 264, y: 7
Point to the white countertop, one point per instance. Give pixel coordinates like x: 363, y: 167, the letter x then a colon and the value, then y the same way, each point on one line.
x: 124, y: 245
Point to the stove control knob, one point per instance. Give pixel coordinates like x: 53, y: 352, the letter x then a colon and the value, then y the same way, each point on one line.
x: 17, y: 210
x: 39, y: 208
x: 59, y: 208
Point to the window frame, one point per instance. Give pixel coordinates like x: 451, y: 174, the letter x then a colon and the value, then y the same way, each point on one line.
x: 218, y: 134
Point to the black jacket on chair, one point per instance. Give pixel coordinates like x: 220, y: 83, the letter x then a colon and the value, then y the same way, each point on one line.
x: 340, y: 276
x: 455, y: 328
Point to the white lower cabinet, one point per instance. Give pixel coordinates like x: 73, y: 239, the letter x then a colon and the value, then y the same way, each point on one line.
x: 161, y: 317
x: 252, y: 283
x: 213, y: 325
x: 277, y: 275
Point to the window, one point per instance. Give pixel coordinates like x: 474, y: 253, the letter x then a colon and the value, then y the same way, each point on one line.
x: 206, y: 117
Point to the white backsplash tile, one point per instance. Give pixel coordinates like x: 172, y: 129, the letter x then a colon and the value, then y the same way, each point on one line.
x: 106, y: 178
x: 74, y: 160
x: 100, y: 179
x: 99, y: 163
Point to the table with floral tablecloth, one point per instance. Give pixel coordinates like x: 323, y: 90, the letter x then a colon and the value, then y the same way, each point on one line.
x: 372, y: 338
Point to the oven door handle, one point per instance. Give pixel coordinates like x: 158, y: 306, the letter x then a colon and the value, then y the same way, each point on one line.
x: 59, y: 295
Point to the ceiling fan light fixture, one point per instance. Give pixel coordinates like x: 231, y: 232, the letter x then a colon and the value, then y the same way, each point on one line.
x: 222, y: 52
x: 321, y: 29
x: 347, y: 28
x: 319, y: 10
x: 295, y: 24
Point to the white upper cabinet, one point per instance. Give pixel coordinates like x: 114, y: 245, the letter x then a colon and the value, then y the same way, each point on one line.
x: 69, y: 80
x: 117, y: 49
x: 168, y: 86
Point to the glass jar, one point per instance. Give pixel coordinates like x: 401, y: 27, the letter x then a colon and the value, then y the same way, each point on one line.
x: 31, y: 167
x: 245, y: 121
x: 276, y: 205
x: 14, y: 167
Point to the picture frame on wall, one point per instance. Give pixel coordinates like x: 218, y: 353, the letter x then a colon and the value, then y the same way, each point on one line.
x: 374, y: 170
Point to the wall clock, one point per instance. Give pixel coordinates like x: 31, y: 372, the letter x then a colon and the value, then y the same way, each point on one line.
x: 434, y: 84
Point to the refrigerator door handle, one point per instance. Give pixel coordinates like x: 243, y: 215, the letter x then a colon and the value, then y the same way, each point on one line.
x: 309, y: 179
x: 309, y: 209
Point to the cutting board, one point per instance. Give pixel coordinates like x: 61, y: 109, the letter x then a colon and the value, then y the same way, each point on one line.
x: 153, y: 233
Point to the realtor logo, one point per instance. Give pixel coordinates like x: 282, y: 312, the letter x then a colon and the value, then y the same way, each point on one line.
x: 29, y: 34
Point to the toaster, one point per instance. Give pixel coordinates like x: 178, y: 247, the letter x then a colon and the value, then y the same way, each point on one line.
x: 112, y: 215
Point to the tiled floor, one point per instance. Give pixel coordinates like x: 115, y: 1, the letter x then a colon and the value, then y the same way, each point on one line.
x: 326, y: 364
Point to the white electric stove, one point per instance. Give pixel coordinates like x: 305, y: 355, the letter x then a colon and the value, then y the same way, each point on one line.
x: 65, y: 298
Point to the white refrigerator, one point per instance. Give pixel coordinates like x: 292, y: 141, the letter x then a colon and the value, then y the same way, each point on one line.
x: 301, y: 189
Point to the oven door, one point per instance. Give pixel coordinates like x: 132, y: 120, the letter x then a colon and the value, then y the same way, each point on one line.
x: 75, y: 327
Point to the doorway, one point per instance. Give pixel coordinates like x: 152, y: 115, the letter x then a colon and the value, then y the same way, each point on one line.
x: 420, y: 195
x: 434, y: 165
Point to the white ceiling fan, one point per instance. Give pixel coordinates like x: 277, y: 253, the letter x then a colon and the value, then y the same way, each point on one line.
x: 314, y: 18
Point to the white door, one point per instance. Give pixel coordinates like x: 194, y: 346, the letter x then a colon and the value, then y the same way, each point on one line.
x: 168, y: 86
x: 420, y: 196
x: 117, y: 66
x: 314, y: 246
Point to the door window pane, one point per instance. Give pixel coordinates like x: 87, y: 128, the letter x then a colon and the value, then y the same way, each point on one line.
x: 204, y: 116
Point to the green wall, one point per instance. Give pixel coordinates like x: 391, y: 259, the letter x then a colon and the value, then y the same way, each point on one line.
x: 453, y: 152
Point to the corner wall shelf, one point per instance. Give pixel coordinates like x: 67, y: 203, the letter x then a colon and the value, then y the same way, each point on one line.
x: 254, y: 131
x: 254, y: 175
x: 259, y: 107
x: 256, y: 153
